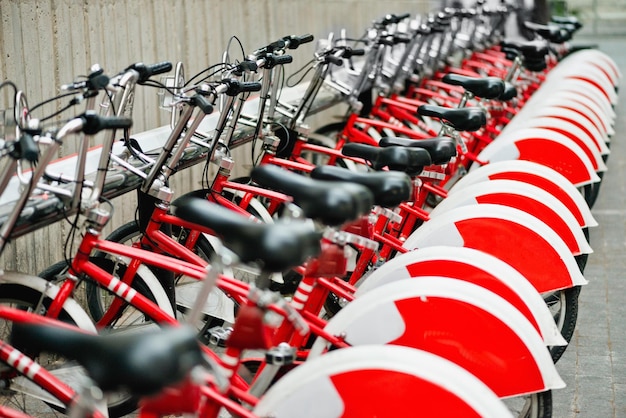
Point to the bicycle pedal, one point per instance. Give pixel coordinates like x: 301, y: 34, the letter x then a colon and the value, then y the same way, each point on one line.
x: 281, y: 355
x: 219, y: 335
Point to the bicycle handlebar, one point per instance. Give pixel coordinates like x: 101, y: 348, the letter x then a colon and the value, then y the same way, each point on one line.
x: 93, y: 123
x: 147, y: 71
x: 391, y: 19
x: 271, y: 60
x: 96, y: 80
x: 294, y: 42
x: 235, y: 87
x: 349, y: 52
x: 270, y: 48
x: 338, y: 61
x: 287, y: 42
x: 337, y: 55
x: 246, y: 66
x: 28, y: 149
x: 202, y: 102
x: 386, y: 40
x: 401, y: 39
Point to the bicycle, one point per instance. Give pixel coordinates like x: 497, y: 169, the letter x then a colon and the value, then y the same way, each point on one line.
x: 193, y: 386
x: 24, y: 381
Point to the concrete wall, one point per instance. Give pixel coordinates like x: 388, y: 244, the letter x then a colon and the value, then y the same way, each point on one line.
x: 46, y: 43
x: 601, y: 17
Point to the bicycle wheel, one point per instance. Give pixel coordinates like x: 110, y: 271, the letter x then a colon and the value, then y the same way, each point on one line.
x: 590, y: 193
x: 536, y: 405
x: 129, y: 319
x: 563, y: 305
x: 381, y: 381
x: 17, y: 392
x: 185, y: 288
x: 219, y: 308
x: 326, y: 136
x: 98, y: 299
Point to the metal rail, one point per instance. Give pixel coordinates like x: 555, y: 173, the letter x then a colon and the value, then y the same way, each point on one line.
x: 44, y: 210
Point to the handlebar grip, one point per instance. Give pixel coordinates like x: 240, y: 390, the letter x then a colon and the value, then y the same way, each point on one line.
x: 401, y: 39
x: 279, y: 44
x: 296, y: 41
x: 390, y: 19
x: 158, y: 68
x: 331, y: 59
x: 282, y: 59
x: 147, y: 71
x: 270, y: 48
x: 248, y: 65
x: 93, y: 123
x: 437, y: 28
x: 28, y: 148
x: 356, y: 52
x: 235, y: 87
x: 273, y: 60
x: 305, y: 39
x: 402, y: 17
x: 97, y: 81
x: 200, y: 101
x: 249, y: 86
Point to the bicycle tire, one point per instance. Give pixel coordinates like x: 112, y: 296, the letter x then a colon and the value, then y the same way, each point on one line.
x: 590, y: 192
x: 257, y: 207
x: 123, y: 234
x: 205, y: 250
x: 331, y: 130
x: 124, y: 404
x: 24, y: 296
x: 326, y: 136
x: 565, y: 316
x: 131, y: 231
x: 535, y: 405
x: 94, y: 303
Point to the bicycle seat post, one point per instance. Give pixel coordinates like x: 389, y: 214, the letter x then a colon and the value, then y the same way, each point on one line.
x: 168, y: 158
x: 513, y: 72
x: 90, y: 399
x: 123, y: 103
x: 208, y: 284
x: 96, y: 81
x: 322, y: 67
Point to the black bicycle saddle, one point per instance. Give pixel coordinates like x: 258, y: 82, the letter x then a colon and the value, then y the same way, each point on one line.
x: 143, y: 363
x: 390, y: 188
x: 276, y: 247
x: 465, y: 119
x: 485, y: 87
x: 332, y: 203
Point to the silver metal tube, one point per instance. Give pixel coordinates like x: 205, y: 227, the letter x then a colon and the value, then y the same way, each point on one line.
x: 168, y: 169
x: 74, y: 125
x: 123, y: 103
x: 310, y: 94
x: 81, y: 162
x: 169, y: 145
x: 265, y: 88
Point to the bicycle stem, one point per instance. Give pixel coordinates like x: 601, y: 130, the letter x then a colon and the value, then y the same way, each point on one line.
x: 149, y: 181
x: 51, y: 152
x: 124, y: 105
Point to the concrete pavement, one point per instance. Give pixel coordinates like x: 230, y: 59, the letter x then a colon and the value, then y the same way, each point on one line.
x: 594, y: 365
